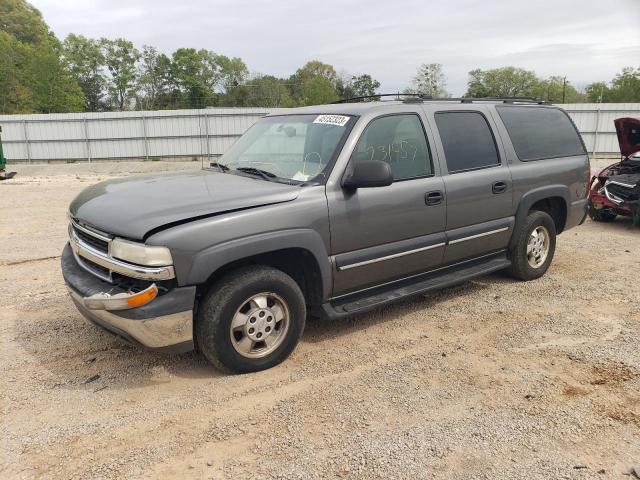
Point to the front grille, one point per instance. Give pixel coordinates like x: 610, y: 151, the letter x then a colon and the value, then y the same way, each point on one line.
x: 622, y: 192
x: 95, y: 242
x: 101, y: 271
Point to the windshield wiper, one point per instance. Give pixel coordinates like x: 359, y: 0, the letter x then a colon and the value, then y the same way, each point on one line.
x: 256, y: 171
x: 219, y: 166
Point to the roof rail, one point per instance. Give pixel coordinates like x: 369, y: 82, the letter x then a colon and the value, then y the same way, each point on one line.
x: 364, y: 97
x: 421, y: 97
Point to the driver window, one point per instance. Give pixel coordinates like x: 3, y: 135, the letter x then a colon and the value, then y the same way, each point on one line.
x: 398, y: 140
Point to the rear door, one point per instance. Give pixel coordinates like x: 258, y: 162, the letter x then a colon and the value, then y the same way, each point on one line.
x: 478, y: 184
x: 385, y: 233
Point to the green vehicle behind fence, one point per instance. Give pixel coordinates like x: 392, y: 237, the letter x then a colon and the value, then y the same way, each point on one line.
x: 3, y: 162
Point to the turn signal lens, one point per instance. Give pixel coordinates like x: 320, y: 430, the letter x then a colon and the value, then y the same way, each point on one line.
x: 144, y: 297
x: 121, y: 301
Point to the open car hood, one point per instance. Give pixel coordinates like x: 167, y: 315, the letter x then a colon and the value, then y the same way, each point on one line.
x: 628, y: 130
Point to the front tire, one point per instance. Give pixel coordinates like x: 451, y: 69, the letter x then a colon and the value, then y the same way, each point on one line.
x: 534, y: 247
x: 251, y: 319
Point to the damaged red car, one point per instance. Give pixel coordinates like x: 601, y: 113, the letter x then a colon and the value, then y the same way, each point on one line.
x: 616, y: 189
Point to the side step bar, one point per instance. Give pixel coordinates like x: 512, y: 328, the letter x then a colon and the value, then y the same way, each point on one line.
x: 361, y: 302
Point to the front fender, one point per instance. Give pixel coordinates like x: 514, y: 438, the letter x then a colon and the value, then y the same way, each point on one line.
x: 211, y: 259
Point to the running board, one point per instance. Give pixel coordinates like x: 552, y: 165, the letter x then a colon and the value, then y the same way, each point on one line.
x: 361, y: 302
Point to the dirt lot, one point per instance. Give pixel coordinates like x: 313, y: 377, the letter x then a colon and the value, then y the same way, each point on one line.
x: 491, y: 379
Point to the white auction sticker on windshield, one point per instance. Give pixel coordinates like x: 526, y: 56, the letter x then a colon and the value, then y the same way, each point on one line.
x: 339, y: 120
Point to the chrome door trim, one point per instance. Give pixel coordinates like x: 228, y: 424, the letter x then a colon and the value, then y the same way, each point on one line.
x: 478, y: 235
x: 389, y: 257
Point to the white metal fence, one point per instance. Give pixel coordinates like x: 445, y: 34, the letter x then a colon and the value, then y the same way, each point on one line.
x: 595, y: 122
x: 203, y: 133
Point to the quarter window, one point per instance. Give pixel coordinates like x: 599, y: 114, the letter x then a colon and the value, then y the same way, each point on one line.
x: 541, y: 132
x: 467, y: 141
x: 398, y: 140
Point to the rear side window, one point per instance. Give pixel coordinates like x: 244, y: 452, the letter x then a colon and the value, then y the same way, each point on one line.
x: 467, y: 140
x: 538, y: 133
x: 398, y: 140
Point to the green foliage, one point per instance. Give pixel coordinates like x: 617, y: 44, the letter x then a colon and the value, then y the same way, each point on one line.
x: 33, y: 79
x: 264, y: 91
x: 358, y: 86
x: 23, y: 21
x: 502, y: 82
x: 154, y: 80
x: 85, y: 61
x: 314, y: 81
x: 517, y: 82
x: 120, y: 58
x: 429, y: 80
x: 557, y: 89
x: 625, y: 87
x: 193, y: 76
x: 318, y: 90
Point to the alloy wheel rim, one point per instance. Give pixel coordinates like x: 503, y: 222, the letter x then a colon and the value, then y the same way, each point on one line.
x: 538, y: 246
x: 259, y: 325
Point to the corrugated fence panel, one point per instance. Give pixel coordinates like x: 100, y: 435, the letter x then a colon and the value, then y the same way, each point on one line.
x: 595, y: 122
x: 204, y: 133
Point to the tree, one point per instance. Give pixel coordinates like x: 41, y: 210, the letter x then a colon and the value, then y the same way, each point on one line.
x: 625, y: 87
x: 318, y: 90
x: 556, y: 89
x: 230, y: 72
x: 85, y: 61
x: 598, y: 92
x: 310, y: 71
x: 358, y: 86
x: 120, y: 59
x: 502, y: 82
x: 262, y: 91
x: 33, y: 79
x: 429, y: 80
x: 24, y: 22
x: 154, y: 79
x: 194, y: 76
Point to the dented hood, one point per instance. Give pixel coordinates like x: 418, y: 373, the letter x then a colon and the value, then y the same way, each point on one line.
x: 131, y: 207
x: 628, y: 130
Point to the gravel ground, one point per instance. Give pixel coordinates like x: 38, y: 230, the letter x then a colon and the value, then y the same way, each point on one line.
x: 491, y: 379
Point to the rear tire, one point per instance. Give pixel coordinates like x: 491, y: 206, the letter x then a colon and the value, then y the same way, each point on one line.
x: 535, y: 244
x: 251, y: 319
x: 605, y: 215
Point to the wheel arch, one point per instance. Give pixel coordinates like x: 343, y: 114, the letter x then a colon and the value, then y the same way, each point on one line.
x: 300, y: 253
x: 553, y: 199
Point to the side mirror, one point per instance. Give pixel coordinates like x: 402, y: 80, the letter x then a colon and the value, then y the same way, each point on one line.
x: 369, y: 173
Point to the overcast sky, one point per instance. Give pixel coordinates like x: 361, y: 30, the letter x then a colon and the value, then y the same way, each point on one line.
x: 587, y: 40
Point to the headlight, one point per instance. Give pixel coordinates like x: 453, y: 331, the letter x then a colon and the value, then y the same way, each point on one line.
x: 140, y: 254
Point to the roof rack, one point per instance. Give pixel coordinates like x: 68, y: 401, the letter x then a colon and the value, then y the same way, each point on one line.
x: 421, y: 97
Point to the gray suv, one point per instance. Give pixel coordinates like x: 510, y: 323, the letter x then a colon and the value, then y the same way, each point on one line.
x: 329, y: 211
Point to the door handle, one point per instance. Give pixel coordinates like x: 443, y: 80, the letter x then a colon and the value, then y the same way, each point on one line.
x: 499, y: 187
x: 433, y: 198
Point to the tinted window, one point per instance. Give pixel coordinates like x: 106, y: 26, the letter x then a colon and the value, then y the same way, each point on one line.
x: 467, y: 140
x: 538, y: 133
x: 398, y: 140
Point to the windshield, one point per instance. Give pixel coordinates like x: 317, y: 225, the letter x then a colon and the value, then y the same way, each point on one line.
x: 293, y: 148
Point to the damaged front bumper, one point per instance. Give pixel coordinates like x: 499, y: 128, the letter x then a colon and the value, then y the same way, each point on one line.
x: 164, y: 323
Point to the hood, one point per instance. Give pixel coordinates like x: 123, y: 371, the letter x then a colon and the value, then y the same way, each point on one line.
x: 628, y: 130
x: 131, y: 207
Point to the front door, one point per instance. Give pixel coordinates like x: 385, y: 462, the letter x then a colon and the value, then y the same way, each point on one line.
x: 478, y: 186
x: 385, y: 233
